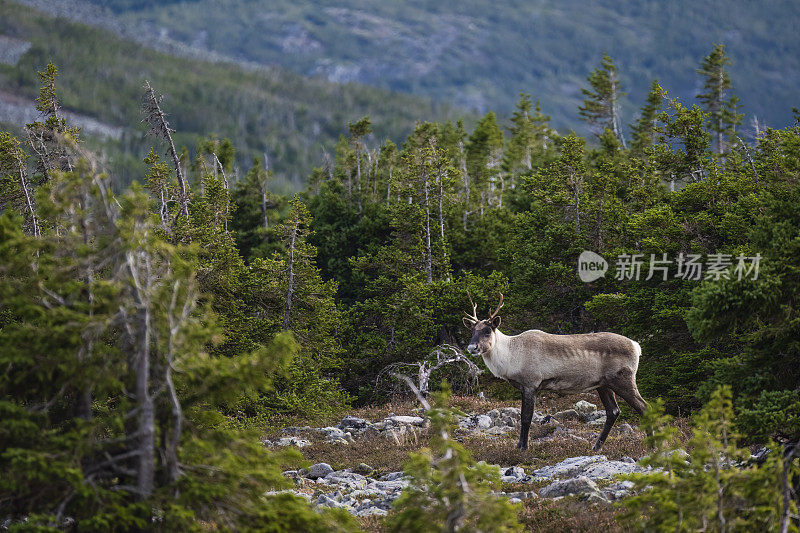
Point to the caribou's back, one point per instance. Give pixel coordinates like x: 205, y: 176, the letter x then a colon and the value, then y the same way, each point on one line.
x: 573, y: 363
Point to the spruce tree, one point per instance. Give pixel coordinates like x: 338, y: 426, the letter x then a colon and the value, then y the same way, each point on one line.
x: 600, y: 107
x: 720, y: 108
x: 643, y: 132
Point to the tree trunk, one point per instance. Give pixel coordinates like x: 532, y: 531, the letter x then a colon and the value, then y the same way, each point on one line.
x: 389, y: 186
x: 428, y: 258
x: 146, y: 452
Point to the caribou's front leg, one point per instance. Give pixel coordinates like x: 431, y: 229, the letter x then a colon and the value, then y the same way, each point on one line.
x: 528, y: 406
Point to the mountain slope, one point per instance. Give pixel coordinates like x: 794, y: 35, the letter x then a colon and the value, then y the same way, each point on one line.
x: 267, y: 110
x: 481, y: 54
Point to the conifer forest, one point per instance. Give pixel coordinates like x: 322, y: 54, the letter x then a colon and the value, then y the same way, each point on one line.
x: 193, y: 339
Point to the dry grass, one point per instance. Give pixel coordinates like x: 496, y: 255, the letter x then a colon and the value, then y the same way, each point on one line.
x: 569, y: 514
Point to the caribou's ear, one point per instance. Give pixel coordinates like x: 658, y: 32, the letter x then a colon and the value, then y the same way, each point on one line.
x: 468, y: 322
x: 496, y: 322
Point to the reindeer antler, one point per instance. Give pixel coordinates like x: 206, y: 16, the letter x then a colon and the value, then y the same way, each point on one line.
x: 498, y: 307
x: 474, y: 315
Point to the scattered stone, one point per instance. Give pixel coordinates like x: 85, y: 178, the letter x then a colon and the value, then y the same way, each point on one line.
x: 625, y: 428
x: 363, y: 469
x: 609, y: 469
x: 407, y: 420
x: 569, y: 414
x: 599, y: 421
x: 566, y: 487
x: 292, y: 441
x: 493, y: 414
x: 515, y: 471
x: 619, y: 490
x: 567, y: 468
x: 585, y: 408
x: 350, y: 423
x: 319, y: 470
x: 627, y: 459
x: 483, y: 422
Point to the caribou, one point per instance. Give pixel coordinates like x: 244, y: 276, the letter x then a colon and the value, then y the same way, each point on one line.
x: 568, y: 364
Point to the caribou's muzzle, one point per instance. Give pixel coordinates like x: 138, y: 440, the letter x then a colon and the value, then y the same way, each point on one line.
x: 473, y: 349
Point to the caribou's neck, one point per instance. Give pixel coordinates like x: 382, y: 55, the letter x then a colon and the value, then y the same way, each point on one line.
x: 498, y: 359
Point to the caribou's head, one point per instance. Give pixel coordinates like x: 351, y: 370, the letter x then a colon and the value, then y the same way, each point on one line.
x: 483, y: 331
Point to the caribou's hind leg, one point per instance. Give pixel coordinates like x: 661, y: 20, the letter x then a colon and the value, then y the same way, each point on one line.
x: 624, y: 384
x: 612, y: 412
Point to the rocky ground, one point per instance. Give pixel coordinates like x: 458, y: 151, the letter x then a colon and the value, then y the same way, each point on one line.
x: 356, y: 464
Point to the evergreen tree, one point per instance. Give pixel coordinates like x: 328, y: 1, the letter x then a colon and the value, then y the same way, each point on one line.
x: 714, y: 488
x: 483, y: 157
x: 359, y: 130
x: 600, y: 107
x: 721, y: 109
x: 643, y: 133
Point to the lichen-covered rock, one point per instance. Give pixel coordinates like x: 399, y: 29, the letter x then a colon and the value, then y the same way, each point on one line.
x: 353, y: 423
x: 565, y: 487
x: 569, y: 414
x: 568, y: 467
x: 319, y: 470
x: 585, y: 408
x: 483, y: 422
x: 619, y: 490
x: 406, y: 420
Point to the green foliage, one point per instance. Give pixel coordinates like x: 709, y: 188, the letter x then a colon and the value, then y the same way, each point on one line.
x: 715, y: 488
x: 601, y: 103
x: 449, y: 491
x: 721, y: 109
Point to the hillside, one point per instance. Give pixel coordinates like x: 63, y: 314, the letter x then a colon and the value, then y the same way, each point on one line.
x: 293, y: 119
x: 480, y: 54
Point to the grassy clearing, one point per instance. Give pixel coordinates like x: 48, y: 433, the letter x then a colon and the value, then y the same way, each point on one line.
x: 567, y: 514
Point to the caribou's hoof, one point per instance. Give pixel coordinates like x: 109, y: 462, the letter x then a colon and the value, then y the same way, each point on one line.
x: 521, y: 446
x: 597, y: 446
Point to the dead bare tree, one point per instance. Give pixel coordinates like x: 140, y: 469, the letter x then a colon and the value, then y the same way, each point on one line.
x: 155, y: 117
x: 464, y: 372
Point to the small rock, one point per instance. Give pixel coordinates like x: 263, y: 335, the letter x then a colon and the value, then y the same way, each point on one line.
x: 568, y: 467
x: 353, y: 423
x: 627, y: 459
x: 617, y: 491
x: 372, y: 511
x: 599, y: 421
x: 609, y: 469
x: 680, y: 452
x: 293, y: 441
x: 585, y: 408
x: 596, y: 497
x: 363, y: 469
x: 391, y: 476
x: 483, y: 422
x: 515, y: 471
x: 493, y: 414
x: 577, y: 485
x: 406, y: 420
x: 569, y: 414
x: 319, y: 470
x: 625, y: 428
x: 327, y: 501
x: 509, y: 479
x: 498, y: 430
